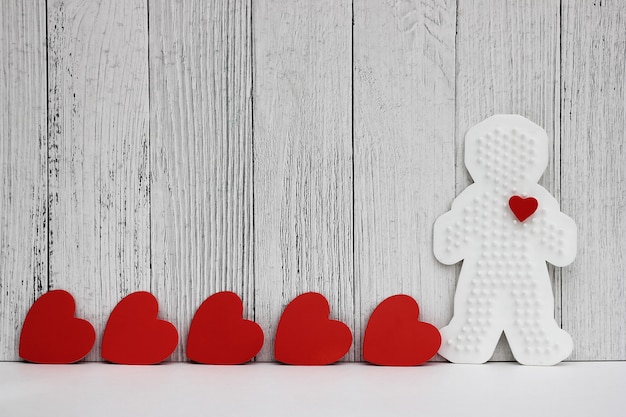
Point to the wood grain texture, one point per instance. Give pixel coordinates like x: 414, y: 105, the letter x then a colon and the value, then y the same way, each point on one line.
x: 98, y: 153
x: 593, y: 160
x: 276, y: 147
x: 508, y: 62
x: 23, y: 183
x: 404, y: 151
x: 201, y: 153
x: 303, y: 157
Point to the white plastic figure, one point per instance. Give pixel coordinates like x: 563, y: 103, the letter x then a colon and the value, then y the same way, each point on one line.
x: 505, y: 227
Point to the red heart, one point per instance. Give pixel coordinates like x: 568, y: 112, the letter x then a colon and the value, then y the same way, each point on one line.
x: 134, y: 335
x: 306, y: 336
x: 51, y: 333
x: 395, y: 337
x: 219, y: 335
x: 523, y: 208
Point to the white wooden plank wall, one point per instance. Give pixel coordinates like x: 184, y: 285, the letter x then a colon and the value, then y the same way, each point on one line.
x: 302, y: 157
x: 273, y: 147
x: 98, y: 153
x: 201, y: 149
x: 593, y: 177
x: 403, y: 122
x: 23, y: 193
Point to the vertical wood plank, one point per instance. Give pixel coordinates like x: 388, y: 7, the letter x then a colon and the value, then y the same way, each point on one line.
x: 98, y: 153
x: 23, y: 181
x: 303, y: 157
x: 508, y: 62
x: 201, y: 131
x: 404, y: 148
x: 594, y: 175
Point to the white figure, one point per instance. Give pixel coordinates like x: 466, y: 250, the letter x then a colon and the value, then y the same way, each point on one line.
x: 504, y: 283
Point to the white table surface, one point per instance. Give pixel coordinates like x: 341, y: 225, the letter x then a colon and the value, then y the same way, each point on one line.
x: 266, y: 389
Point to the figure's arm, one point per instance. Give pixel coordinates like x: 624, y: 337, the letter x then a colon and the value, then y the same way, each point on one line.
x: 557, y: 235
x: 450, y: 239
x: 447, y: 248
x: 557, y: 242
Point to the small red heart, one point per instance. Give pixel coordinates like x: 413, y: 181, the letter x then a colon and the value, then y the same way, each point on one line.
x: 306, y: 335
x: 219, y: 335
x: 51, y: 333
x: 394, y: 336
x: 523, y: 208
x: 134, y: 335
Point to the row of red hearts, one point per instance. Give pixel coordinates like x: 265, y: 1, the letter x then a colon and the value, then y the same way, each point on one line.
x: 219, y: 335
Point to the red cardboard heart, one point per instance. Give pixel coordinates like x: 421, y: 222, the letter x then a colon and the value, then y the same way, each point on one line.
x: 395, y: 337
x: 523, y: 208
x: 219, y: 335
x: 306, y: 335
x: 51, y: 333
x: 134, y: 335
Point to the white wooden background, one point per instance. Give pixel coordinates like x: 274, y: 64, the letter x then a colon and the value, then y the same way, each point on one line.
x: 272, y: 147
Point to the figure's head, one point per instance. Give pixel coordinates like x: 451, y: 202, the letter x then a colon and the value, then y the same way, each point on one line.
x: 506, y: 150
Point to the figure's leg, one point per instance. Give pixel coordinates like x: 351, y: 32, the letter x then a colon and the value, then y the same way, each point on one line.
x: 532, y: 333
x: 474, y: 331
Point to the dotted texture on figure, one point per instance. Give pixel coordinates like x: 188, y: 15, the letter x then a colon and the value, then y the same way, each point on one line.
x: 504, y: 227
